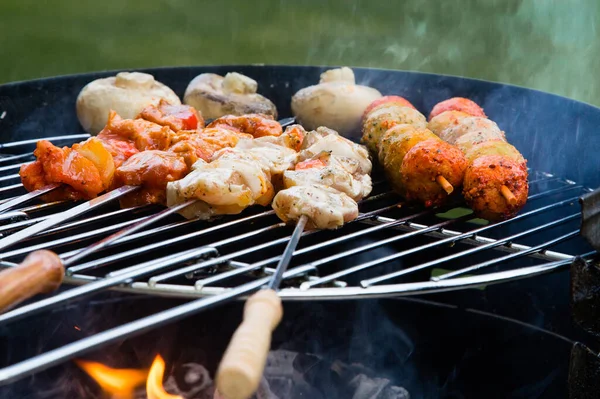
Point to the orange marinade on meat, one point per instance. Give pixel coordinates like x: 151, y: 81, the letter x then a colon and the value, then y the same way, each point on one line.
x: 257, y: 125
x: 457, y: 104
x: 145, y: 135
x: 202, y: 144
x: 482, y: 186
x: 62, y: 165
x: 151, y: 170
x: 177, y: 117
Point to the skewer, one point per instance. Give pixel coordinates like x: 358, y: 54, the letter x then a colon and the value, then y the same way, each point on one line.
x: 445, y: 184
x: 65, y: 216
x: 508, y: 195
x: 242, y: 366
x: 42, y: 271
x: 27, y: 197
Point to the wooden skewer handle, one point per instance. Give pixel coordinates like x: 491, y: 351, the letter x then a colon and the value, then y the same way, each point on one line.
x: 41, y: 272
x: 243, y: 363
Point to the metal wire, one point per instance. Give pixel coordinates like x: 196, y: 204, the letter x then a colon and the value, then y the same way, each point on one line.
x: 229, y: 258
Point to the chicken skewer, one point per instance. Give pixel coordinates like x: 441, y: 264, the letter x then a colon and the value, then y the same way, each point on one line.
x: 241, y: 368
x: 419, y: 165
x: 42, y: 271
x: 309, y: 201
x: 495, y: 184
x: 142, y: 176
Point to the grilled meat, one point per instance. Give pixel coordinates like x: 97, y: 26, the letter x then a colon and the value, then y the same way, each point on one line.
x: 418, y: 164
x: 151, y: 170
x: 257, y: 125
x: 457, y: 104
x: 413, y: 158
x: 384, y: 117
x: 325, y: 207
x: 177, y: 117
x: 495, y: 184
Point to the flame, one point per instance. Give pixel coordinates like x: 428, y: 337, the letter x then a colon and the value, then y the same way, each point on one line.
x: 121, y: 383
x: 154, y: 386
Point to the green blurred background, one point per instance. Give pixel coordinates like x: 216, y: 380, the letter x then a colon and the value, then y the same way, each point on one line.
x: 550, y: 45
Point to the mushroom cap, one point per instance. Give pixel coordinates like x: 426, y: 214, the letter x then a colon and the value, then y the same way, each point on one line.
x: 336, y: 102
x: 127, y: 93
x: 235, y: 94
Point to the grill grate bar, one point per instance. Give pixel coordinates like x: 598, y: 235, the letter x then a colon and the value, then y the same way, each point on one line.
x: 11, y: 187
x: 417, y: 229
x: 136, y: 251
x: 514, y: 255
x: 70, y: 239
x: 256, y: 266
x: 12, y: 167
x: 495, y: 243
x: 73, y: 138
x: 16, y: 157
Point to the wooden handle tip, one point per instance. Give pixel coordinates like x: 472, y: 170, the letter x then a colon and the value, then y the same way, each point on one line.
x: 241, y: 368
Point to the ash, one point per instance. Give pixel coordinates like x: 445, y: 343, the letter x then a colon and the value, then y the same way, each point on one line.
x: 290, y: 375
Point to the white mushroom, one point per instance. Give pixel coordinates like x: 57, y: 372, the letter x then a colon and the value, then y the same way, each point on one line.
x: 127, y: 94
x: 336, y: 102
x: 235, y: 94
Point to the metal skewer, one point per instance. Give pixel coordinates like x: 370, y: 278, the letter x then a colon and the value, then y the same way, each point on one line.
x: 27, y: 197
x: 65, y: 216
x: 244, y: 360
x: 85, y: 345
x: 43, y: 271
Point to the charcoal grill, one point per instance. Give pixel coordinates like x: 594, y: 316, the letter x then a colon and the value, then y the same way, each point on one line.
x: 393, y: 249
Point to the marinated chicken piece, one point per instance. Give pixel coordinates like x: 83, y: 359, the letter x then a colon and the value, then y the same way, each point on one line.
x: 177, y: 117
x: 483, y: 184
x: 327, y: 140
x: 385, y: 116
x: 95, y: 150
x: 278, y: 158
x: 495, y: 184
x: 151, y: 170
x: 445, y: 120
x: 145, y: 135
x: 191, y: 150
x: 63, y: 165
x: 397, y: 141
x: 326, y: 169
x: 202, y: 144
x: 457, y: 104
x: 325, y: 207
x: 292, y: 137
x: 422, y: 166
x: 470, y: 125
x: 496, y: 147
x: 227, y: 185
x: 403, y: 102
x: 257, y: 125
x: 467, y: 141
x: 121, y: 150
x: 414, y: 159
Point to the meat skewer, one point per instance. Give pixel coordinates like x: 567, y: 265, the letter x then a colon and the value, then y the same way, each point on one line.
x: 419, y: 165
x: 307, y: 200
x: 42, y: 271
x: 243, y: 363
x: 495, y: 184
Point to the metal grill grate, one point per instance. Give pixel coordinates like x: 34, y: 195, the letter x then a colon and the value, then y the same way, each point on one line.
x: 392, y: 249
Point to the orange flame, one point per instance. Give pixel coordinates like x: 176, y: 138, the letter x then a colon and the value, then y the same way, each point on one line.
x: 154, y: 386
x: 121, y: 383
